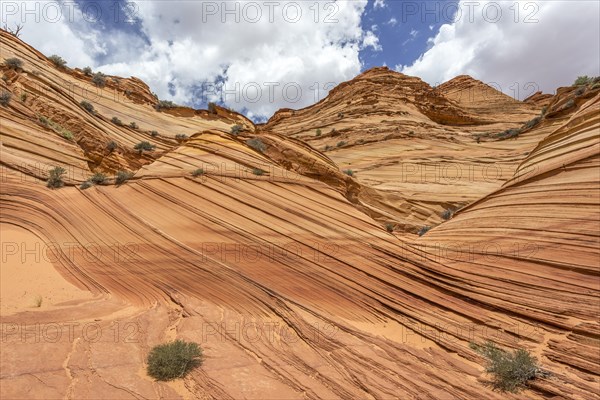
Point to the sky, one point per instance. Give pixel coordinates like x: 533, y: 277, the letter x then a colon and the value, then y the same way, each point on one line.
x: 260, y: 56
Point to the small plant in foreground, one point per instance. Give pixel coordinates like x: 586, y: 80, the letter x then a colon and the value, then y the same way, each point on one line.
x: 349, y: 172
x: 13, y: 62
x: 257, y: 144
x: 23, y: 97
x: 122, y: 177
x: 164, y: 105
x: 389, y: 227
x: 318, y: 133
x: 57, y: 61
x: 85, y: 185
x: 5, y: 98
x: 447, y: 214
x: 55, y: 177
x: 111, y: 146
x: 424, y: 230
x: 341, y: 144
x: 173, y: 360
x: 38, y: 301
x: 87, y: 71
x: 212, y: 108
x: 236, y: 129
x: 133, y: 125
x: 582, y: 80
x: 144, y: 146
x: 87, y: 106
x: 510, y: 371
x: 154, y: 133
x: 117, y: 121
x: 181, y: 137
x: 258, y: 172
x: 198, y: 172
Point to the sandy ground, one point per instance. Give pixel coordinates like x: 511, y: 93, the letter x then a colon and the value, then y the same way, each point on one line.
x: 28, y: 280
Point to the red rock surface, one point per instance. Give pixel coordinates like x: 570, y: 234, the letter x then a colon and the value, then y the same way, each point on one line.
x: 285, y: 279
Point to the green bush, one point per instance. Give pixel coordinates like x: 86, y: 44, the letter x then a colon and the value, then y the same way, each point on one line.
x: 582, y: 80
x: 23, y: 97
x: 569, y: 104
x: 173, y: 360
x: 257, y: 144
x: 389, y: 227
x: 510, y: 371
x: 13, y: 62
x: 424, y: 230
x: 327, y: 148
x: 67, y: 134
x: 57, y: 61
x: 349, y: 172
x: 87, y: 106
x: 133, y: 125
x: 318, y: 133
x: 341, y: 144
x: 5, y: 98
x: 55, y: 177
x: 180, y: 137
x: 164, y: 105
x: 153, y: 133
x: 85, y: 185
x: 198, y: 172
x: 532, y: 123
x: 258, y: 172
x: 87, y: 71
x: 99, y: 79
x: 122, y: 177
x: 144, y: 146
x: 111, y: 146
x: 212, y: 108
x: 98, y: 178
x: 447, y: 214
x: 117, y: 121
x: 508, y: 134
x: 236, y: 129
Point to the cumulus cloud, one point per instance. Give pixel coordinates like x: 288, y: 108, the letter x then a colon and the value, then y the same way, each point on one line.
x: 545, y: 45
x: 379, y: 4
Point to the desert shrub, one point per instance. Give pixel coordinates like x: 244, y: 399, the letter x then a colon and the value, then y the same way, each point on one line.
x: 582, y: 80
x: 424, y: 230
x: 173, y: 360
x: 38, y: 301
x: 508, y: 134
x: 144, y: 146
x: 349, y: 172
x: 85, y: 185
x: 530, y: 124
x: 99, y: 79
x: 98, y: 178
x: 55, y: 177
x: 257, y: 144
x: 23, y: 97
x: 67, y: 134
x: 212, y: 108
x: 236, y: 129
x: 87, y: 71
x: 595, y: 86
x: 180, y: 137
x: 411, y: 132
x: 569, y: 104
x: 111, y: 146
x: 340, y: 115
x: 133, y: 125
x: 13, y: 63
x: 389, y: 227
x: 57, y: 61
x: 122, y: 177
x: 580, y: 91
x: 510, y: 371
x: 341, y: 144
x: 164, y: 105
x: 5, y: 98
x: 318, y: 133
x: 198, y: 172
x: 447, y: 214
x: 154, y: 133
x: 43, y: 120
x: 258, y: 171
x: 328, y: 147
x: 117, y: 121
x: 87, y: 106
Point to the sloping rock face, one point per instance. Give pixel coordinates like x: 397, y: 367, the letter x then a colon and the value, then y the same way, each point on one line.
x: 269, y: 258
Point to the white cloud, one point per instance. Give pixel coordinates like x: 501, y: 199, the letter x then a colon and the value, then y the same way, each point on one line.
x: 370, y: 40
x: 379, y: 4
x: 552, y: 52
x: 393, y: 21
